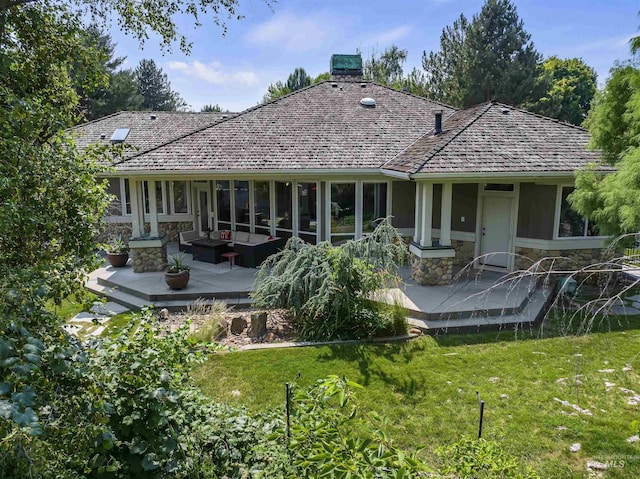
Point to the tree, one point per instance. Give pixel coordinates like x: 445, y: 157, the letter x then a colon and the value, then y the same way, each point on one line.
x: 387, y: 67
x: 211, y: 108
x: 155, y: 88
x: 491, y: 57
x: 568, y: 86
x: 298, y: 79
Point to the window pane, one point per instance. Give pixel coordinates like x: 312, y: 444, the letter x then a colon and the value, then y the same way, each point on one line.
x: 127, y: 209
x: 307, y: 198
x: 283, y: 205
x: 571, y: 223
x: 159, y: 197
x: 159, y: 202
x: 113, y: 188
x: 374, y: 205
x: 262, y: 206
x: 223, y: 196
x: 180, y: 197
x: 343, y: 208
x: 241, y: 192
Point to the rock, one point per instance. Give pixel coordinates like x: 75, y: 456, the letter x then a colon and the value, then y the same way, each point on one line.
x: 415, y: 331
x: 258, y: 326
x: 575, y: 447
x: 269, y: 337
x: 221, y: 329
x: 596, y: 466
x: 164, y: 314
x: 238, y: 325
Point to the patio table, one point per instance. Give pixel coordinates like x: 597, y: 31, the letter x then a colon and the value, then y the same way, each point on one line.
x: 208, y: 250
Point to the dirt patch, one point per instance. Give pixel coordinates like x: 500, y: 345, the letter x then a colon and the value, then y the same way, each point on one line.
x: 279, y: 326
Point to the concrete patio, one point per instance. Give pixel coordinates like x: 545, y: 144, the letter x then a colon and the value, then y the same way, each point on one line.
x: 476, y: 300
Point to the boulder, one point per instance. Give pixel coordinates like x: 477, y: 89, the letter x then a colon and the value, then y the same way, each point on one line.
x: 258, y: 326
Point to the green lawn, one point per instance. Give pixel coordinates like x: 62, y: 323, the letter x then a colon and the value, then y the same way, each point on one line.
x: 427, y: 390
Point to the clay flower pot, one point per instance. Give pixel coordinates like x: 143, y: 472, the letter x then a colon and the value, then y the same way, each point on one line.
x: 177, y: 280
x: 117, y: 260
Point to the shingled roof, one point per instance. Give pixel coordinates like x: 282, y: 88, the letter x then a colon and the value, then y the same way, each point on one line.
x: 146, y: 133
x: 321, y: 127
x: 497, y: 138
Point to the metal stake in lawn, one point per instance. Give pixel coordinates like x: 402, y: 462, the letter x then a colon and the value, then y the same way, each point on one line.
x: 287, y: 389
x: 481, y: 402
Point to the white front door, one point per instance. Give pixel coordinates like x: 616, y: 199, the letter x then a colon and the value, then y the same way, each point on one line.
x: 496, y: 226
x: 202, y: 208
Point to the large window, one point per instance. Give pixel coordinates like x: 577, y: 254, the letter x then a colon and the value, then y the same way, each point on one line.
x: 374, y: 205
x: 283, y: 206
x: 262, y: 206
x: 159, y: 196
x: 343, y: 211
x: 223, y: 198
x: 180, y: 191
x: 127, y: 198
x: 571, y: 223
x: 241, y: 197
x: 307, y: 211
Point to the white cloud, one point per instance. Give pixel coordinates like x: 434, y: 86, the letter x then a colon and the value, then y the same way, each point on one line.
x: 293, y: 32
x: 390, y: 36
x: 214, y: 73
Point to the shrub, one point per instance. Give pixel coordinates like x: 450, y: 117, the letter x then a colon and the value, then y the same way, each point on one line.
x: 479, y: 459
x: 327, y: 288
x: 211, y: 316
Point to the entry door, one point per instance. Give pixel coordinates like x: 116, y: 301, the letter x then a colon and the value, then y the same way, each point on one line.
x: 496, y: 225
x: 203, y: 203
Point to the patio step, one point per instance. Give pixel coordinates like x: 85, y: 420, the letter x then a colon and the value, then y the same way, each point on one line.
x: 173, y: 296
x: 136, y: 303
x: 530, y: 312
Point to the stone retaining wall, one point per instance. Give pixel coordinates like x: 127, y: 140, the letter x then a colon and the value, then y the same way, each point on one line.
x: 124, y: 230
x: 572, y: 259
x: 431, y: 271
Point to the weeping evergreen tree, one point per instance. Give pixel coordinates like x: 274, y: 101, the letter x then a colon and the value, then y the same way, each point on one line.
x: 328, y: 288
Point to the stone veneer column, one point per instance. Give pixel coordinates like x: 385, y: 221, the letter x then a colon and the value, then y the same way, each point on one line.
x: 432, y: 266
x: 149, y: 254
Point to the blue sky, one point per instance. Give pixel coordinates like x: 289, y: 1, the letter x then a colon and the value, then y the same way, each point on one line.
x: 234, y: 71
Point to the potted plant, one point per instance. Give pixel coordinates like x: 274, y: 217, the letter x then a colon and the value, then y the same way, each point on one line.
x: 117, y: 252
x: 177, y: 273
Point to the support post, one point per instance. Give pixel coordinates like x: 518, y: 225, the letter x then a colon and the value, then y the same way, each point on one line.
x: 417, y: 234
x: 153, y: 209
x: 445, y: 214
x: 427, y: 212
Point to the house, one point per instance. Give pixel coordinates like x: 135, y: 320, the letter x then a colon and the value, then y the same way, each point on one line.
x: 323, y: 163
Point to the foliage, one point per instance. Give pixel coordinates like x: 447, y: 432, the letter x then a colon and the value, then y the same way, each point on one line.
x: 328, y: 288
x: 385, y: 68
x: 489, y: 58
x: 275, y: 90
x: 211, y: 108
x: 211, y: 319
x: 479, y: 458
x: 611, y: 201
x: 298, y: 79
x: 177, y: 264
x: 333, y: 436
x: 117, y: 245
x: 155, y: 88
x: 567, y: 88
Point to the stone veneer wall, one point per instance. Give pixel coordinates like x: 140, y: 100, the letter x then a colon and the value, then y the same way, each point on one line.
x: 431, y: 271
x: 149, y: 259
x: 465, y: 252
x: 577, y: 258
x: 174, y: 228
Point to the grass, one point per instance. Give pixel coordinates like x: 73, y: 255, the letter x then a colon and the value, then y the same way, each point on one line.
x: 68, y: 308
x: 427, y: 390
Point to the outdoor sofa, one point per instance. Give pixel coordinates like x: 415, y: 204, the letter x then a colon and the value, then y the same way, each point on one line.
x: 186, y: 237
x: 253, y: 248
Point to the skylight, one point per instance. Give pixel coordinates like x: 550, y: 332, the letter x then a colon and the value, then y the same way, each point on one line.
x: 120, y: 135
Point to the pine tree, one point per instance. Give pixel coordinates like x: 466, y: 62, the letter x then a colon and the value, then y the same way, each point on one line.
x: 155, y: 88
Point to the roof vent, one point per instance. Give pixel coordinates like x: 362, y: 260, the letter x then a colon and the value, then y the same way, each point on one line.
x: 363, y: 85
x: 120, y: 135
x: 334, y: 85
x: 224, y: 116
x: 153, y: 117
x: 103, y: 136
x: 505, y: 111
x: 438, y: 126
x: 368, y: 102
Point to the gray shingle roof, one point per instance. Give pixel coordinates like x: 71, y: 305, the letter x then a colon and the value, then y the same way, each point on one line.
x: 145, y: 133
x: 321, y: 127
x: 496, y: 138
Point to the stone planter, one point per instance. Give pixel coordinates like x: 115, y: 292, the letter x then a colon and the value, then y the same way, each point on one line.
x: 117, y: 260
x: 177, y: 280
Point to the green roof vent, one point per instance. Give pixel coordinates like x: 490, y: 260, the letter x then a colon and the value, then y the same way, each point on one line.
x: 346, y: 65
